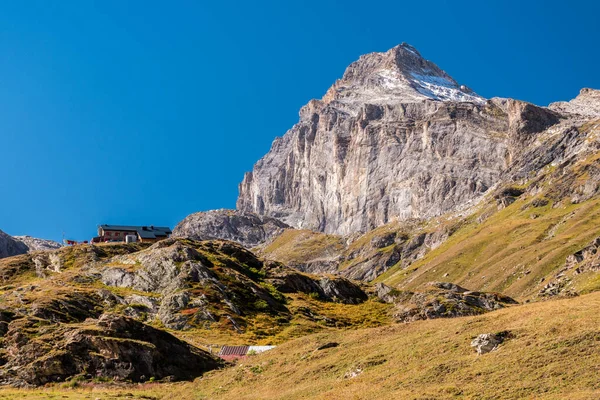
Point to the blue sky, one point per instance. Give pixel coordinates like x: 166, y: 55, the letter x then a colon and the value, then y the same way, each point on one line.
x: 131, y: 112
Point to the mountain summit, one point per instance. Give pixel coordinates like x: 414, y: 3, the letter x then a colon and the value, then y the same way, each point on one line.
x: 395, y: 138
x: 400, y: 74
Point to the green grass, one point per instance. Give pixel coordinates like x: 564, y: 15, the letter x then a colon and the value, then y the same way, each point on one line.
x: 510, y: 252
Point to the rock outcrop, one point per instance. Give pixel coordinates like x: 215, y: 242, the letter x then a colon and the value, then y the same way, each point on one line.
x: 16, y: 245
x: 36, y: 352
x: 9, y: 246
x: 586, y: 104
x: 327, y: 288
x: 487, y: 342
x: 395, y: 138
x: 196, y: 283
x: 442, y: 300
x: 246, y: 228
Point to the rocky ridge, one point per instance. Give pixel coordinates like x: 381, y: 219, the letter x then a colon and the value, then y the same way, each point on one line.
x: 15, y: 245
x: 36, y: 244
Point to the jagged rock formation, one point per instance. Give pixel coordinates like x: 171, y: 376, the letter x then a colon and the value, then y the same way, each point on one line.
x: 327, y: 288
x: 35, y: 351
x: 586, y: 105
x: 246, y: 228
x: 395, y: 138
x: 36, y: 244
x: 441, y: 300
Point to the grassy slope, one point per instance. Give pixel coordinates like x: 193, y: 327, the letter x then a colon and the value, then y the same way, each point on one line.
x: 299, y: 245
x: 554, y: 354
x: 510, y: 252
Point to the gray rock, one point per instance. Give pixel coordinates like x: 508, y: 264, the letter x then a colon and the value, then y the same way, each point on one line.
x: 339, y: 289
x: 486, y: 342
x: 111, y: 346
x: 246, y: 228
x: 335, y: 289
x: 444, y: 300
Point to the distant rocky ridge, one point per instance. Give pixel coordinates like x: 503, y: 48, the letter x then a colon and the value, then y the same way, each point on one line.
x: 36, y: 244
x: 396, y: 138
x: 9, y: 246
x: 246, y: 228
x: 15, y: 245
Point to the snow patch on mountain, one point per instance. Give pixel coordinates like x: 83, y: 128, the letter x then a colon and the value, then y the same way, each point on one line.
x: 441, y: 88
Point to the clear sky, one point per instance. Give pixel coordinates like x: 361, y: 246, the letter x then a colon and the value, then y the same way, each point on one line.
x: 141, y: 112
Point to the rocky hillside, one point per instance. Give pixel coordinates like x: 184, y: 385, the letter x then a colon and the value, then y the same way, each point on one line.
x: 395, y: 138
x: 89, y: 311
x: 540, y: 357
x: 246, y: 228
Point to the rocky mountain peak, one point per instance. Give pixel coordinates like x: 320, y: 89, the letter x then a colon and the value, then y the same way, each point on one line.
x: 396, y: 138
x: 399, y: 75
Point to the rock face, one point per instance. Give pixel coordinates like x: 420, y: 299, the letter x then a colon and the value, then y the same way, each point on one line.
x: 586, y: 104
x: 192, y: 289
x: 35, y: 244
x: 246, y: 228
x: 112, y: 346
x: 395, y: 138
x: 10, y: 246
x: 15, y: 245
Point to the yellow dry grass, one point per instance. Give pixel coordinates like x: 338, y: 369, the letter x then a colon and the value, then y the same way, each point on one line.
x: 554, y: 354
x: 515, y: 251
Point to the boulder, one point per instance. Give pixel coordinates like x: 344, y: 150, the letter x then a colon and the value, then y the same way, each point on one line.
x: 487, y: 342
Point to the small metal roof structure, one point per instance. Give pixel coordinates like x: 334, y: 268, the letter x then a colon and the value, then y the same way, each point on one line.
x: 232, y: 352
x: 238, y: 351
